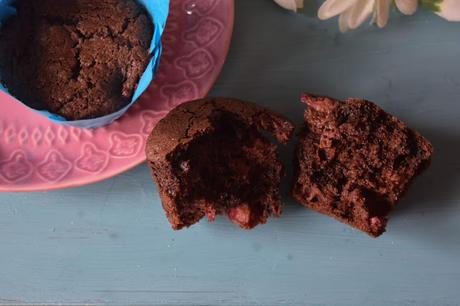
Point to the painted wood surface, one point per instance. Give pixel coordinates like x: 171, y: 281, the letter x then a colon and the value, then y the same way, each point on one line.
x: 110, y: 243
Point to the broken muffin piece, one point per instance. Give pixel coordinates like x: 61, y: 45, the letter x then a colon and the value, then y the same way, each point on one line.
x: 208, y: 157
x: 354, y: 161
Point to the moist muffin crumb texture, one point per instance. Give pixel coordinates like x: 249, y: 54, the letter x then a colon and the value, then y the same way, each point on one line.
x: 354, y: 161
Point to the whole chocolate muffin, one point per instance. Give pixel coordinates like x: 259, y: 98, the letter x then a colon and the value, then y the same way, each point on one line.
x: 354, y: 161
x: 77, y: 58
x: 208, y: 157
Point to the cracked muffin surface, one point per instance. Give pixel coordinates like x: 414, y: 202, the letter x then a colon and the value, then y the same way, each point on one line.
x: 80, y: 59
x: 208, y: 157
x: 354, y: 161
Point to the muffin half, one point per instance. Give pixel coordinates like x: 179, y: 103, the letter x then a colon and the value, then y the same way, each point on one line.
x: 208, y: 157
x: 354, y: 161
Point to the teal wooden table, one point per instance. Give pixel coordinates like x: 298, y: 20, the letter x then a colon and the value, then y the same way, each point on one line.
x: 110, y: 243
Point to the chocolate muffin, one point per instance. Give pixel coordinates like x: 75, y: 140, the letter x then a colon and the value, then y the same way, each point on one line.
x: 77, y: 58
x: 208, y: 157
x: 354, y: 161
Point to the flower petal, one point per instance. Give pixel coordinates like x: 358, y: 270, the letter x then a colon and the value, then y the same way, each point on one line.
x: 407, y: 7
x: 343, y: 21
x: 382, y: 12
x: 299, y: 3
x: 332, y: 8
x: 359, y: 13
x: 450, y: 10
x: 292, y: 5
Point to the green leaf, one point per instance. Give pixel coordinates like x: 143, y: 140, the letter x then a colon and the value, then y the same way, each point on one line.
x: 431, y: 4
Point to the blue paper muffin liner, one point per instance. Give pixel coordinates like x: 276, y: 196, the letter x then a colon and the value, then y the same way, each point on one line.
x: 158, y: 10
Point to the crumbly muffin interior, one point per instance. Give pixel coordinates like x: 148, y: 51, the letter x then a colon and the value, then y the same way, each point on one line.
x: 354, y: 161
x: 232, y: 170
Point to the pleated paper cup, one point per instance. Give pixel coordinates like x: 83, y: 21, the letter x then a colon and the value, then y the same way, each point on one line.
x: 158, y: 10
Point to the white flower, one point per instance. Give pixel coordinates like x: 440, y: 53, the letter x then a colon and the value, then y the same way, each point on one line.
x: 354, y: 12
x: 407, y: 7
x: 449, y: 9
x: 292, y: 5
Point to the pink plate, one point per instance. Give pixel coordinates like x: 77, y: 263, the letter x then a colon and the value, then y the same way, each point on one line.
x: 36, y: 154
